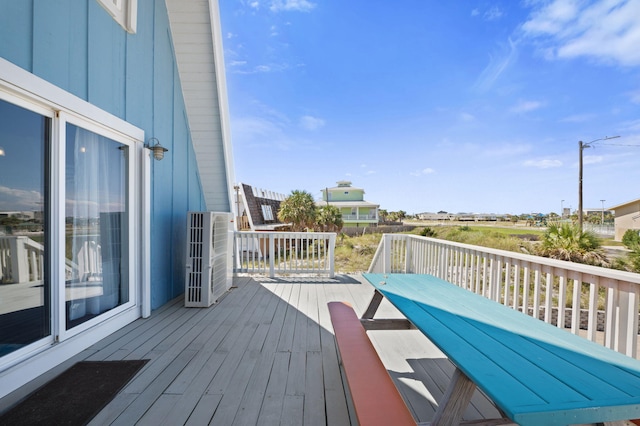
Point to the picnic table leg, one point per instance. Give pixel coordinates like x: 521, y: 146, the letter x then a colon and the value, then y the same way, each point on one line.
x: 369, y: 323
x: 373, y: 305
x: 455, y: 400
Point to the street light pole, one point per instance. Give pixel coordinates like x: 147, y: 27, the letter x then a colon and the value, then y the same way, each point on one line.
x: 602, y: 221
x: 581, y: 147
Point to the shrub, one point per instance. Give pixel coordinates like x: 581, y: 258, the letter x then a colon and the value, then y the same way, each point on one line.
x: 566, y: 241
x: 631, y: 238
x: 428, y: 232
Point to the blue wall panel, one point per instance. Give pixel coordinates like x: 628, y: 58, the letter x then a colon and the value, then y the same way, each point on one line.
x: 77, y: 46
x: 139, y: 70
x: 163, y: 172
x: 16, y: 32
x: 180, y: 193
x: 106, y: 70
x: 60, y: 44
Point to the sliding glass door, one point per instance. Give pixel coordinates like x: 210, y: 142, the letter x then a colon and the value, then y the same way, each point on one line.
x: 67, y: 225
x: 25, y: 302
x: 96, y: 224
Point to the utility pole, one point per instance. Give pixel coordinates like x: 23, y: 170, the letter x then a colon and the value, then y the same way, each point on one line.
x: 581, y: 147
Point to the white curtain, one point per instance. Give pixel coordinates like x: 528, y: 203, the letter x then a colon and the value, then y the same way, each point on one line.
x: 96, y: 212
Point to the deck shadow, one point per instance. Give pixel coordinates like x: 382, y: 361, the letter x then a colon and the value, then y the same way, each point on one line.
x: 338, y: 279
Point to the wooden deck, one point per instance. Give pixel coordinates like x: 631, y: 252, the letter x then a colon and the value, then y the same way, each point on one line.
x: 264, y: 355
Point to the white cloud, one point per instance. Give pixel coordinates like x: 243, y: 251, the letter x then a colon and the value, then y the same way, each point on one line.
x: 493, y: 14
x: 12, y: 199
x: 631, y: 126
x: 427, y: 171
x: 263, y: 68
x: 311, y: 123
x: 543, y: 164
x: 507, y: 150
x: 489, y: 15
x: 498, y: 64
x: 526, y: 106
x: 465, y: 116
x: 592, y: 159
x: 607, y: 30
x: 578, y: 118
x: 635, y: 97
x: 552, y: 18
x: 292, y: 5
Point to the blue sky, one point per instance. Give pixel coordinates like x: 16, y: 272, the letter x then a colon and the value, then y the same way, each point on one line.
x: 461, y: 106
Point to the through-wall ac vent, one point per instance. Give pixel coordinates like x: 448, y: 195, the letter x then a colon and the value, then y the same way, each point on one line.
x: 208, y: 268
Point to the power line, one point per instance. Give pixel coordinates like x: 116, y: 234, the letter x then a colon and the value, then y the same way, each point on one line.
x: 619, y: 144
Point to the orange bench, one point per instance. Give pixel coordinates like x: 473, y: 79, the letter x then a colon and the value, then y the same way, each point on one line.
x: 376, y: 399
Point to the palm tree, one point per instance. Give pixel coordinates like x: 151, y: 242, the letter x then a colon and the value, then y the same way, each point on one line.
x: 299, y: 209
x: 566, y: 241
x: 329, y: 219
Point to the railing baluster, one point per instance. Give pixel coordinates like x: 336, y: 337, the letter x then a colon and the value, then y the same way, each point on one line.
x: 548, y: 297
x: 562, y: 299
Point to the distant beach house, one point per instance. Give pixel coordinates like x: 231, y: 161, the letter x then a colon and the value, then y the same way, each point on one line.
x: 88, y: 90
x: 356, y: 212
x: 627, y: 216
x: 257, y: 208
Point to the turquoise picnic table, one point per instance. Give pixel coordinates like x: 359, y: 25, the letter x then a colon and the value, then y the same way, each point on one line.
x: 535, y: 373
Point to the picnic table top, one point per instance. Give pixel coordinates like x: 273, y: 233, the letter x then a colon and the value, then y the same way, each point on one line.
x: 535, y: 372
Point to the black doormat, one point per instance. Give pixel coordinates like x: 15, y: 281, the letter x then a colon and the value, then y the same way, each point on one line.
x: 75, y: 396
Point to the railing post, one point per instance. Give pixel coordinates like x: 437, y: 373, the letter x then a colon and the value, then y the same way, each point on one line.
x: 272, y: 246
x: 443, y: 252
x: 332, y: 245
x: 386, y: 265
x: 19, y: 261
x: 408, y: 255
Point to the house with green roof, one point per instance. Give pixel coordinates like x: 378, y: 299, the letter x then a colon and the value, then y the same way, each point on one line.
x: 356, y: 212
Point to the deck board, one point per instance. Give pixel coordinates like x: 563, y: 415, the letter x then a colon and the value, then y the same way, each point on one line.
x: 264, y: 355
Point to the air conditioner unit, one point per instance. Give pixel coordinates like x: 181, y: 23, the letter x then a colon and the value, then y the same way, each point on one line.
x: 209, y: 265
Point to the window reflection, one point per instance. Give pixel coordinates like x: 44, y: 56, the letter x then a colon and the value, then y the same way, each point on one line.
x: 24, y: 286
x: 96, y: 225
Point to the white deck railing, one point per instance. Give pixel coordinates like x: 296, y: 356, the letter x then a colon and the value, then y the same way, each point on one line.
x: 22, y: 261
x: 284, y: 253
x: 599, y: 303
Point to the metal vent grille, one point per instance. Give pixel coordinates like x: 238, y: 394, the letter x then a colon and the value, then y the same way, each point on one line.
x: 208, y: 267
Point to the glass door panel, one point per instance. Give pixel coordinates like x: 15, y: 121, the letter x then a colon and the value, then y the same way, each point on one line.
x: 96, y: 225
x: 25, y: 302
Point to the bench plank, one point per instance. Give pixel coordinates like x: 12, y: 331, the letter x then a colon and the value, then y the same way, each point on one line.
x: 375, y: 398
x: 535, y: 372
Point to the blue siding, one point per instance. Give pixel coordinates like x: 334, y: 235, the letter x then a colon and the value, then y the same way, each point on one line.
x: 16, y: 32
x: 139, y: 108
x: 60, y: 51
x: 107, y: 53
x: 78, y: 47
x: 180, y: 201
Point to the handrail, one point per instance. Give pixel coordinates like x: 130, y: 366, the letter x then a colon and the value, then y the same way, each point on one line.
x: 284, y: 253
x: 583, y: 298
x: 22, y: 260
